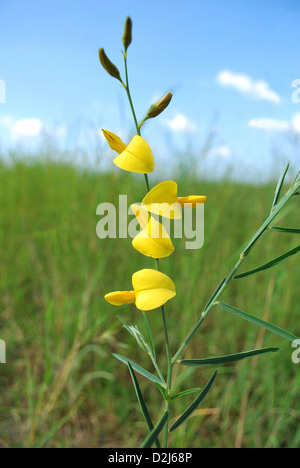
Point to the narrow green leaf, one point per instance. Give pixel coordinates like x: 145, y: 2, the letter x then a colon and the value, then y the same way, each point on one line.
x: 148, y: 442
x: 139, y: 369
x: 185, y: 392
x: 296, y: 179
x: 258, y: 321
x: 227, y: 359
x: 280, y: 185
x: 151, y: 343
x: 142, y: 403
x: 270, y: 264
x: 195, y: 403
x: 285, y: 230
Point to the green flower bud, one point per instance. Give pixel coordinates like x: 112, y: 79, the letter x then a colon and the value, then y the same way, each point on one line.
x: 160, y: 106
x: 108, y: 65
x: 127, y: 36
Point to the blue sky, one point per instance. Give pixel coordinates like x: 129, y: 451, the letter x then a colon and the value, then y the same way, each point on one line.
x: 230, y: 65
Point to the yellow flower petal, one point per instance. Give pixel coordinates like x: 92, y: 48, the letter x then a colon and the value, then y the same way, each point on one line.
x: 155, y: 248
x: 148, y: 279
x: 153, y: 241
x: 194, y: 200
x: 114, y: 141
x: 142, y: 214
x: 165, y: 192
x: 150, y: 300
x: 152, y: 289
x: 162, y: 200
x: 118, y: 298
x: 136, y: 157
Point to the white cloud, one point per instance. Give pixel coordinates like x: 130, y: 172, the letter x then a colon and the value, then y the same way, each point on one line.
x: 257, y: 89
x: 180, y: 123
x: 269, y: 125
x: 276, y: 125
x: 296, y: 123
x: 220, y: 152
x: 22, y: 127
x: 30, y: 131
x: 27, y: 127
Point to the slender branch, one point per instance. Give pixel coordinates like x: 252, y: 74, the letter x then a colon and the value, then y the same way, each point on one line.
x: 157, y: 369
x: 129, y: 95
x: 138, y: 130
x: 292, y: 191
x: 169, y: 377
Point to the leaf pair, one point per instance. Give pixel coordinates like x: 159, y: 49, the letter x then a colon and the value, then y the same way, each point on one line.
x: 152, y: 437
x: 155, y: 431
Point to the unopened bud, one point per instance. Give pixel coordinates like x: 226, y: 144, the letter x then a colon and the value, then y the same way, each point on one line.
x: 127, y: 36
x: 160, y: 106
x: 108, y: 65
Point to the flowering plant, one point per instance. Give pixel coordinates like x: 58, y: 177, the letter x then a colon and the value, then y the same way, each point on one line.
x: 152, y: 289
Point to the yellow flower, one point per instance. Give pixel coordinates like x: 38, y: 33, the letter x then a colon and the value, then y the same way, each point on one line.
x: 163, y: 200
x: 153, y: 241
x: 135, y: 157
x: 151, y: 289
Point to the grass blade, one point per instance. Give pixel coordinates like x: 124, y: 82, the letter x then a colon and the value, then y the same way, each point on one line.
x: 142, y: 403
x: 151, y: 343
x: 55, y: 428
x: 270, y: 264
x: 279, y: 186
x: 185, y: 392
x: 195, y: 403
x: 285, y: 230
x: 140, y: 370
x: 149, y: 441
x: 227, y: 359
x: 257, y: 321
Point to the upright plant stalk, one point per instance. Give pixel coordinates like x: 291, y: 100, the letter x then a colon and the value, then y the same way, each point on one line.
x: 169, y: 355
x: 146, y: 165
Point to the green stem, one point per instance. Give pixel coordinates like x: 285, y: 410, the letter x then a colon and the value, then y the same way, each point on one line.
x: 158, y: 369
x: 169, y: 355
x: 170, y: 369
x: 169, y: 377
x: 138, y: 130
x: 129, y: 95
x: 243, y: 255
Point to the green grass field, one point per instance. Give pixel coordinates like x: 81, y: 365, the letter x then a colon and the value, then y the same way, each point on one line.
x: 61, y: 387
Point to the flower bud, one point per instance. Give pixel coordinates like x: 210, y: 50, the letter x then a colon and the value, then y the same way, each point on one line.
x: 108, y: 65
x: 160, y: 106
x: 127, y: 36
